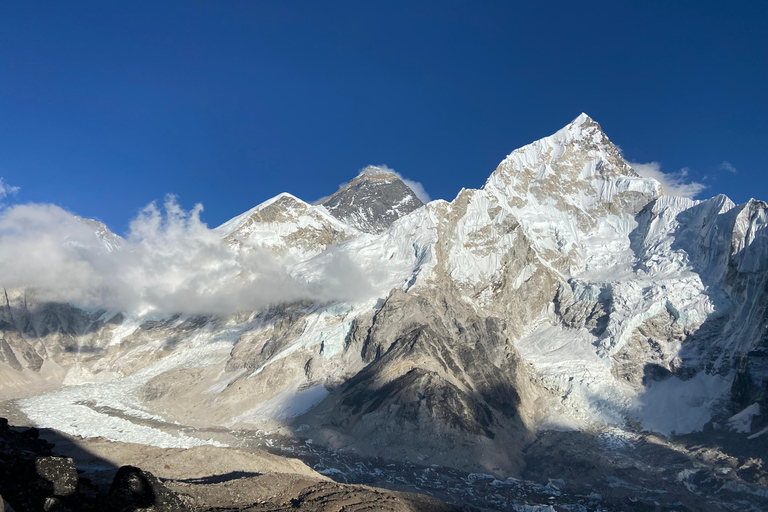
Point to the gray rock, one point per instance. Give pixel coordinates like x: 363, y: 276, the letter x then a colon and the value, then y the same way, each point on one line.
x: 135, y: 490
x: 60, y: 471
x: 372, y: 201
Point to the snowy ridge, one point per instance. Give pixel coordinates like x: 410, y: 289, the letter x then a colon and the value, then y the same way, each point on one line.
x: 397, y: 258
x: 232, y: 225
x: 287, y: 226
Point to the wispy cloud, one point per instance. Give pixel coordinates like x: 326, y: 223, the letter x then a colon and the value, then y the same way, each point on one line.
x: 728, y: 166
x: 675, y: 183
x: 6, y: 189
x: 170, y: 262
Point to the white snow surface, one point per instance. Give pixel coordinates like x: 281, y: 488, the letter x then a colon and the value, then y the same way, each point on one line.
x: 742, y: 421
x: 568, y: 362
x: 678, y: 406
x: 87, y: 410
x: 289, y: 403
x: 758, y: 434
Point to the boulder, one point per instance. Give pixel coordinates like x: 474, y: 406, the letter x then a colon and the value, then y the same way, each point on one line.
x: 59, y: 471
x: 135, y: 490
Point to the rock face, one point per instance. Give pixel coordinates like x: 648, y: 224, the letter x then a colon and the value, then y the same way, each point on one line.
x: 568, y: 292
x: 467, y: 392
x: 372, y: 201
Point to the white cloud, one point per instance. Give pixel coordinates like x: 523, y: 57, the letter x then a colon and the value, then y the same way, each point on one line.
x: 6, y: 189
x: 169, y: 262
x: 674, y: 183
x: 728, y: 166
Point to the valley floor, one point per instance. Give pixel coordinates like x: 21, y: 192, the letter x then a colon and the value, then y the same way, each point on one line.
x: 609, y: 469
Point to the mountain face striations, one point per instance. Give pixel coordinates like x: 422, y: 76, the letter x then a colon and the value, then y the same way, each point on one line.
x: 569, y: 294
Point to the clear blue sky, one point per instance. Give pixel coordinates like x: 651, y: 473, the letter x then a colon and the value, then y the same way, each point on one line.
x: 106, y: 106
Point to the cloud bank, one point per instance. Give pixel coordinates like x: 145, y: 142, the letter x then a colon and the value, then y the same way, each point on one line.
x: 674, y: 183
x: 169, y: 262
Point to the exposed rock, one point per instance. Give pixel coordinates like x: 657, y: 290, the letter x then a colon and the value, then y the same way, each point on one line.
x: 651, y: 353
x: 434, y: 367
x: 7, y: 356
x: 60, y: 471
x: 318, y: 497
x: 32, y: 479
x: 372, y: 201
x: 210, y: 478
x: 135, y: 490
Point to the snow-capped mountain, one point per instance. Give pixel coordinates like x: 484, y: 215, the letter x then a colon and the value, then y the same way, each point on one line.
x: 372, y: 201
x: 286, y: 225
x: 109, y: 240
x: 568, y: 293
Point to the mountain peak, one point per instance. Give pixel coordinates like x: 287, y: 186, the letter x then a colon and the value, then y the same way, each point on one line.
x: 373, y: 200
x: 286, y: 225
x: 110, y: 240
x: 373, y: 171
x: 583, y: 118
x: 576, y: 168
x: 583, y: 128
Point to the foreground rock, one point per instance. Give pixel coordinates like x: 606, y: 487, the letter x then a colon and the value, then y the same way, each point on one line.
x: 134, y: 489
x: 99, y: 475
x: 33, y: 479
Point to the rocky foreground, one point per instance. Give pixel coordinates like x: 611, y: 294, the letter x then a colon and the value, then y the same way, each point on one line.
x: 98, y: 475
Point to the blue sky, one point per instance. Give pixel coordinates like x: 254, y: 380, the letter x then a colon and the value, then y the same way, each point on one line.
x: 107, y: 106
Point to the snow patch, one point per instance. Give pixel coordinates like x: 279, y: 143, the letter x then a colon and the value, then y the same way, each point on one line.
x: 674, y: 405
x: 742, y: 421
x: 758, y: 434
x: 289, y: 403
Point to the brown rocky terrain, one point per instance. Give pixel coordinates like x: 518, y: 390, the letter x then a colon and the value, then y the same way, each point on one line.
x: 47, y: 470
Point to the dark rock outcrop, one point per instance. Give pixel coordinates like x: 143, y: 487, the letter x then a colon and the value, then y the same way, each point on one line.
x: 33, y: 479
x: 134, y: 489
